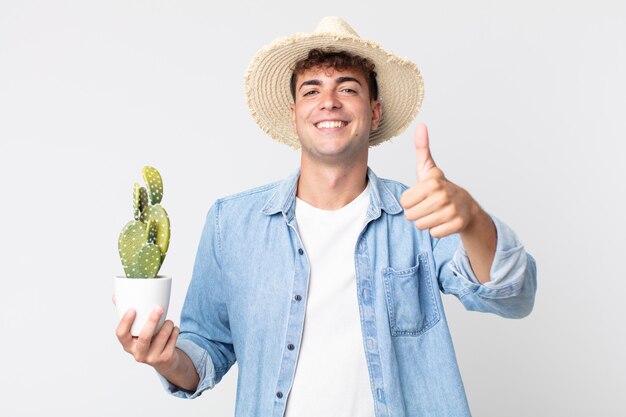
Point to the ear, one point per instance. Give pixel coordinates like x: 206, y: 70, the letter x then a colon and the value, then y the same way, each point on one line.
x: 377, y: 114
x: 292, y: 109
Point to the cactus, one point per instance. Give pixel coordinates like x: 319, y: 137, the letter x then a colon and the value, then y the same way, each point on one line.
x: 144, y: 241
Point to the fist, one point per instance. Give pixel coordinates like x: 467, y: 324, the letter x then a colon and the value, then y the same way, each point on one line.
x: 435, y: 203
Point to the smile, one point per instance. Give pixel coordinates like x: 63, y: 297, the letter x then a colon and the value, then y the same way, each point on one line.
x: 330, y: 124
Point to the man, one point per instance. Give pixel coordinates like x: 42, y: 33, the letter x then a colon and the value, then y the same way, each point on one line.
x: 323, y: 287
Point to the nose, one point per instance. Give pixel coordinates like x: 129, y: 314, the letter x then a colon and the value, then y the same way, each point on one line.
x: 329, y: 100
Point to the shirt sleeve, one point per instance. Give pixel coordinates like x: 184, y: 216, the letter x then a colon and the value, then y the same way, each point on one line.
x: 204, y: 367
x: 510, y: 291
x: 204, y: 325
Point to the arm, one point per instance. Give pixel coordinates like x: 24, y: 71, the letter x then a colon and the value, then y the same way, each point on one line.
x: 197, y: 360
x: 184, y: 373
x: 437, y: 204
x: 205, y: 335
x: 510, y: 291
x: 479, y: 240
x: 479, y: 259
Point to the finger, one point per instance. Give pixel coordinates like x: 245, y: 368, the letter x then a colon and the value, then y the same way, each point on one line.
x: 446, y: 228
x: 421, y: 191
x: 413, y: 196
x: 168, y: 351
x: 167, y: 359
x: 123, y: 328
x: 434, y: 219
x: 425, y: 161
x: 160, y: 339
x: 145, y: 335
x: 428, y: 206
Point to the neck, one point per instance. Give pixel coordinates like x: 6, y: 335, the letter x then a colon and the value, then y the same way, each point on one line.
x: 330, y: 187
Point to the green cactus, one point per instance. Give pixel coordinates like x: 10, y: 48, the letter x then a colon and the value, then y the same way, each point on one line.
x: 155, y: 185
x: 144, y: 241
x: 140, y: 200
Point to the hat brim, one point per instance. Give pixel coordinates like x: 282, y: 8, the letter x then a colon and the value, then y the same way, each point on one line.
x: 267, y: 84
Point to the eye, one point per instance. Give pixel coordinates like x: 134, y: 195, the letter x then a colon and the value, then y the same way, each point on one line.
x: 348, y: 90
x: 309, y: 93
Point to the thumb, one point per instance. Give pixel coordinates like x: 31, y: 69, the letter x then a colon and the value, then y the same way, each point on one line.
x: 426, y: 167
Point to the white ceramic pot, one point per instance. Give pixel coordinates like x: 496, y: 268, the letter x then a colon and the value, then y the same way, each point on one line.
x: 142, y: 295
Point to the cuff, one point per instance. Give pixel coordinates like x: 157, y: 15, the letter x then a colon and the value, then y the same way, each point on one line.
x: 507, y: 270
x: 204, y: 367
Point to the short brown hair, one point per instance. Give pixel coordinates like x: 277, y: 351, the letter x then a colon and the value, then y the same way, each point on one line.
x: 339, y: 60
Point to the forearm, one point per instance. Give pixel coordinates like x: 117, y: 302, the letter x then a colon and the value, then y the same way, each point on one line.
x: 479, y: 240
x: 183, y: 374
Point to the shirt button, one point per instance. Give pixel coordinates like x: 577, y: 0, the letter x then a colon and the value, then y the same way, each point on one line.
x: 300, y: 251
x: 290, y: 346
x: 279, y: 394
x: 298, y: 297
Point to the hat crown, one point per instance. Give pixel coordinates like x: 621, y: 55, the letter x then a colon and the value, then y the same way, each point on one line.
x: 335, y: 24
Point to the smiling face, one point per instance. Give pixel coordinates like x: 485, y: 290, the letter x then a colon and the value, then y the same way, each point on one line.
x: 333, y: 114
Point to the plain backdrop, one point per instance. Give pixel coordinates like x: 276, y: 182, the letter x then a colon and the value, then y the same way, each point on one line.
x: 525, y: 103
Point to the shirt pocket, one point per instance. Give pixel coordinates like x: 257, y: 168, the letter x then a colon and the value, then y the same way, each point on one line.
x: 411, y: 304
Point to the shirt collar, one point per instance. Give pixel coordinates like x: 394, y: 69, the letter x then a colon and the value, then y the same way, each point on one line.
x: 283, y: 200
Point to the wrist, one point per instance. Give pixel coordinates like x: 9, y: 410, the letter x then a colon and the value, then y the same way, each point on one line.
x: 170, y: 367
x: 477, y: 217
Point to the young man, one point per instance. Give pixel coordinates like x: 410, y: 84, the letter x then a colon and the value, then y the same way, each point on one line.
x: 324, y: 286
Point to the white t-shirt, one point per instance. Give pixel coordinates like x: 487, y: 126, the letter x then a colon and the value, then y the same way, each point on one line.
x: 331, y: 374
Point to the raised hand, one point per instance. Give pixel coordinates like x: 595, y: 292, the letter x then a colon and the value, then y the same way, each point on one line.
x: 434, y: 202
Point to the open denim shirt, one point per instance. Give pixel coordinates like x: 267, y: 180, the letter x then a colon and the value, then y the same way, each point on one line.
x: 247, y: 300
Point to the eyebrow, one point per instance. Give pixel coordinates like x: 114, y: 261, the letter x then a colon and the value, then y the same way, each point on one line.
x: 338, y: 80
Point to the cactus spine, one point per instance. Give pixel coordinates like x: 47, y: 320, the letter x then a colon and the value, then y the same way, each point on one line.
x: 144, y: 241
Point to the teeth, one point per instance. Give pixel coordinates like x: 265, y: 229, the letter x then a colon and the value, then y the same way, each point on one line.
x: 330, y: 124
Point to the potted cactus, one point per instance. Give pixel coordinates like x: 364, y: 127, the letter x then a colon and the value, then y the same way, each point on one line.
x: 142, y: 246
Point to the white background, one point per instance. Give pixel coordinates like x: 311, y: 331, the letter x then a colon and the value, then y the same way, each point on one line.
x: 525, y: 103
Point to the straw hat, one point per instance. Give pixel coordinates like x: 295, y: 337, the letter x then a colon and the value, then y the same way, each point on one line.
x: 400, y: 84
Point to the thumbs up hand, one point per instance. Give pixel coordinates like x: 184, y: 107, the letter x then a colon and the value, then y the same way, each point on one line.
x: 434, y: 202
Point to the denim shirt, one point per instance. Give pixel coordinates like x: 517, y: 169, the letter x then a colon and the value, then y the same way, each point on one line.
x: 247, y: 298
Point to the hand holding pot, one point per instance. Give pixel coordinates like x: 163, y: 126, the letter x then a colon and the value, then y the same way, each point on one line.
x: 157, y: 350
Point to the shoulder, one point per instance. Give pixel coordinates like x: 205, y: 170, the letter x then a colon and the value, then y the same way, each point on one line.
x: 262, y: 192
x: 396, y: 187
x: 387, y: 190
x: 244, y: 204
